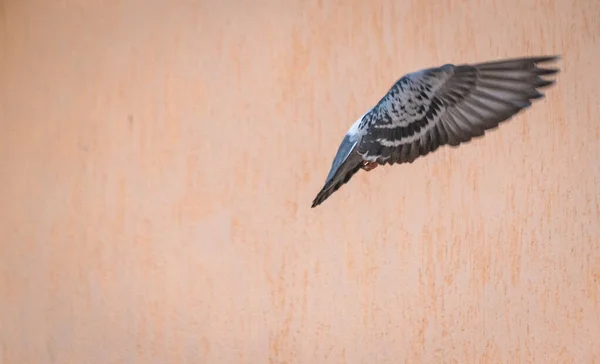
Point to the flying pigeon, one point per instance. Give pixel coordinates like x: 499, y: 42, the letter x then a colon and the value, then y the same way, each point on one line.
x: 426, y: 109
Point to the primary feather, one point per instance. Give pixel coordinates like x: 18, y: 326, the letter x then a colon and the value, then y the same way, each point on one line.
x: 424, y: 110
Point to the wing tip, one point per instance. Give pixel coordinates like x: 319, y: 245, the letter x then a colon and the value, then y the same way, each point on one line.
x: 320, y: 198
x: 315, y: 202
x: 323, y: 194
x: 545, y: 84
x: 519, y: 62
x: 548, y: 58
x: 539, y: 58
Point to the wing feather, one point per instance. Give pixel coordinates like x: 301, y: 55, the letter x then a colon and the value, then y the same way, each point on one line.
x: 450, y: 105
x: 345, y: 165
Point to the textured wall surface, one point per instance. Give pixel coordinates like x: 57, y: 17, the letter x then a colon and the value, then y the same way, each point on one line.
x: 158, y: 160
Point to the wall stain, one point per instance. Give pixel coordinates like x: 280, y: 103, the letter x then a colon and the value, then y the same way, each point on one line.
x: 156, y: 205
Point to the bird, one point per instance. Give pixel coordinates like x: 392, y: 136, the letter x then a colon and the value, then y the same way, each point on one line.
x: 424, y: 110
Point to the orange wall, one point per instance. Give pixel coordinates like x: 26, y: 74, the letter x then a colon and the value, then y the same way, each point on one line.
x: 159, y: 159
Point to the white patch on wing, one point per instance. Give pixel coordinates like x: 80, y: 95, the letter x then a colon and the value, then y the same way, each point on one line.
x: 397, y: 142
x: 354, y: 130
x: 373, y: 158
x: 405, y: 140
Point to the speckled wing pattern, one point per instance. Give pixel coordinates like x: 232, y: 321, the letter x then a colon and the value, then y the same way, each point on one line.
x: 446, y: 105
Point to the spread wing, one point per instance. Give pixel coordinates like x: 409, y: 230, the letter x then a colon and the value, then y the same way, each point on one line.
x: 424, y: 110
x: 451, y: 105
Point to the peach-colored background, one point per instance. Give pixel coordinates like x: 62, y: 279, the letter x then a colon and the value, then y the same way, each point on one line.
x: 159, y: 158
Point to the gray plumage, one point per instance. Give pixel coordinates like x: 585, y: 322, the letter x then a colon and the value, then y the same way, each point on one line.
x: 424, y: 110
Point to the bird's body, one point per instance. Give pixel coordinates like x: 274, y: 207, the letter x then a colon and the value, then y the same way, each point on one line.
x: 446, y: 105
